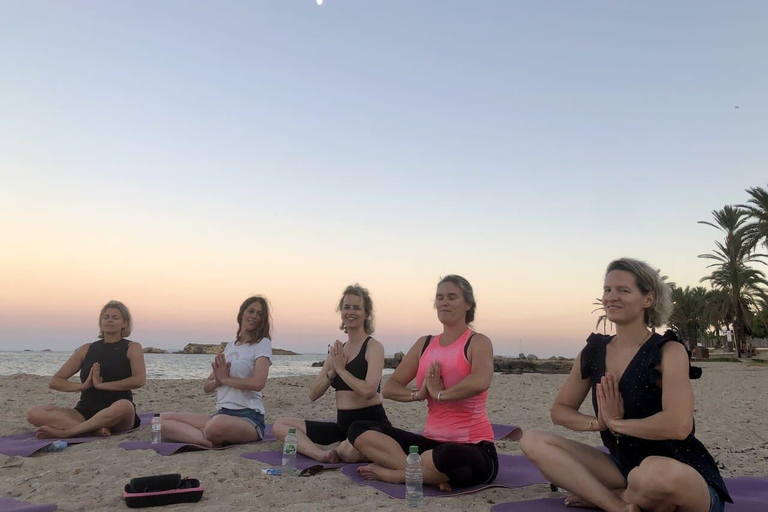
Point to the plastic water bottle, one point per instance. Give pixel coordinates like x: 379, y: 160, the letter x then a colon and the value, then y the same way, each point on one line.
x: 156, y: 428
x: 414, y: 490
x: 289, y: 452
x: 56, y: 446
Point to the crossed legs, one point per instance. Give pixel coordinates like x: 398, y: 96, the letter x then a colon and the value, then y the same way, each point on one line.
x: 333, y: 453
x: 658, y: 484
x: 60, y: 422
x: 183, y: 427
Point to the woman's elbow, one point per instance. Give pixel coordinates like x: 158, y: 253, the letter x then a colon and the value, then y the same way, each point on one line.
x: 683, y: 430
x: 52, y: 384
x: 142, y: 382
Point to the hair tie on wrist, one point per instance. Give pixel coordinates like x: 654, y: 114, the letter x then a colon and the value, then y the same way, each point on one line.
x: 438, y: 396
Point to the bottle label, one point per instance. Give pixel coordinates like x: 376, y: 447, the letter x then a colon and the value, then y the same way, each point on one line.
x: 156, y: 427
x: 289, y: 449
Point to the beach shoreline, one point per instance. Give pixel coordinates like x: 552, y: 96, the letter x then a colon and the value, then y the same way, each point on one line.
x: 729, y: 421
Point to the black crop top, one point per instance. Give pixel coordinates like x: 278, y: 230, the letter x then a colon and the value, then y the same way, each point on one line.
x: 642, y: 398
x: 358, y: 367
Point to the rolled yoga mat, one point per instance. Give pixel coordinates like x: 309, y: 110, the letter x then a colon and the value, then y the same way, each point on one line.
x: 750, y: 494
x: 171, y: 448
x: 12, y: 505
x: 25, y: 444
x: 514, y: 471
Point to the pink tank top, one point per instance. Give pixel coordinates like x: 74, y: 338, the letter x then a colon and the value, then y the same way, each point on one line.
x: 456, y: 421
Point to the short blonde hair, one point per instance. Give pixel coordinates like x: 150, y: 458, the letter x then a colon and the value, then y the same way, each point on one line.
x: 116, y: 304
x: 648, y: 280
x: 363, y: 293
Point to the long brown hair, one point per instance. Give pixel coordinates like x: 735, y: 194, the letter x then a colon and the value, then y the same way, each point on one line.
x: 263, y: 330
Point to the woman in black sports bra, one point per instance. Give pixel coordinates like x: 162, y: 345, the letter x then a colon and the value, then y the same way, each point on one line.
x: 354, y: 370
x: 643, y: 408
x: 109, y: 369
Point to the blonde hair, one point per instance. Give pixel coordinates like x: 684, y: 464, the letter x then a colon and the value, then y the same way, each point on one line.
x: 648, y: 280
x: 124, y: 311
x: 359, y: 291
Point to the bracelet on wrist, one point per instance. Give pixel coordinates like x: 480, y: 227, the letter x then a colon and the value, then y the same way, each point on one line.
x: 438, y: 396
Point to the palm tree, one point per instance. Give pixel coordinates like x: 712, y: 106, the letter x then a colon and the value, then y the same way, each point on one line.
x: 717, y: 310
x: 757, y: 209
x: 732, y: 272
x: 688, y: 317
x: 602, y: 318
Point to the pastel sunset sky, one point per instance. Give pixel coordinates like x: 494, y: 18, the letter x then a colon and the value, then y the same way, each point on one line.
x: 180, y: 156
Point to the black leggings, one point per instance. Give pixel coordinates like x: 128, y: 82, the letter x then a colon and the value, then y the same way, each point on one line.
x: 325, y: 432
x: 465, y: 464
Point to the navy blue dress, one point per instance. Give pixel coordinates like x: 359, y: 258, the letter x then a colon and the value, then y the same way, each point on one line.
x: 642, y: 398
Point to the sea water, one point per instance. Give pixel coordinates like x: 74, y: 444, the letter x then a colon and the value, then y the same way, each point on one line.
x: 159, y: 366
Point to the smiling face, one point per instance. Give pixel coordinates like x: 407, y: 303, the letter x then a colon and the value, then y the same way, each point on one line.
x: 450, y: 304
x: 252, y: 317
x: 352, y: 312
x: 623, y: 301
x: 112, y: 322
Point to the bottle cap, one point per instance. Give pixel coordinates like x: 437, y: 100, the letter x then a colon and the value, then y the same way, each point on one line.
x: 414, y: 449
x: 63, y: 444
x: 291, y: 430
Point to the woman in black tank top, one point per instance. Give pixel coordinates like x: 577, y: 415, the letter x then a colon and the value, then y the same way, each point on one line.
x: 109, y: 369
x: 353, y: 369
x: 643, y: 408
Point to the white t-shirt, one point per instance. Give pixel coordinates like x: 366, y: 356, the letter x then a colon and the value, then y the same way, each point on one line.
x: 242, y: 358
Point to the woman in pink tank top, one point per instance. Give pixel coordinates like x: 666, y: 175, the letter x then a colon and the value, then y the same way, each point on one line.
x: 453, y: 372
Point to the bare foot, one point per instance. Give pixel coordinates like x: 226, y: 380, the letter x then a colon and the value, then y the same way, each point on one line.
x: 445, y: 487
x: 632, y: 508
x: 577, y: 501
x: 376, y: 472
x: 103, y: 432
x: 46, y: 432
x: 331, y: 456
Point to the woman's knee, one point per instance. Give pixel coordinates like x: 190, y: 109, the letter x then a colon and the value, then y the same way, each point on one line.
x: 533, y: 441
x: 655, y: 477
x: 123, y: 408
x: 281, y: 426
x: 215, y: 430
x: 36, y: 415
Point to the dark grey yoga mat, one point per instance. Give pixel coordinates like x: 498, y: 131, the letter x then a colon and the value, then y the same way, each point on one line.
x: 514, y: 471
x: 750, y: 494
x: 12, y: 505
x: 25, y: 444
x: 171, y: 448
x: 276, y: 459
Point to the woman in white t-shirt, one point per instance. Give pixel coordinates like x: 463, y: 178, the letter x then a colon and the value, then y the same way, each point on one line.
x: 239, y: 374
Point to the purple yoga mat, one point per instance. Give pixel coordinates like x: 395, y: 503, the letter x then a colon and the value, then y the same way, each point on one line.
x: 12, y: 505
x: 171, y: 448
x: 750, y: 494
x: 276, y: 459
x: 514, y: 471
x: 499, y: 432
x: 25, y: 444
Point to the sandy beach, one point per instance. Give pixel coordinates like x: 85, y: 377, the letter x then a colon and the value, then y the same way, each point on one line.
x: 730, y: 421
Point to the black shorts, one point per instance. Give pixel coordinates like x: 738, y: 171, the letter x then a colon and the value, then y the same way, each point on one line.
x: 325, y: 432
x: 89, y: 412
x: 465, y: 464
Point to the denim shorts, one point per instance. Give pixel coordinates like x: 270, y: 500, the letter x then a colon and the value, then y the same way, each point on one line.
x: 715, y: 501
x: 252, y: 416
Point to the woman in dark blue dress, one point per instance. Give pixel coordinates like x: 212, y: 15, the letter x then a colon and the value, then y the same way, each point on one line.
x: 643, y: 403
